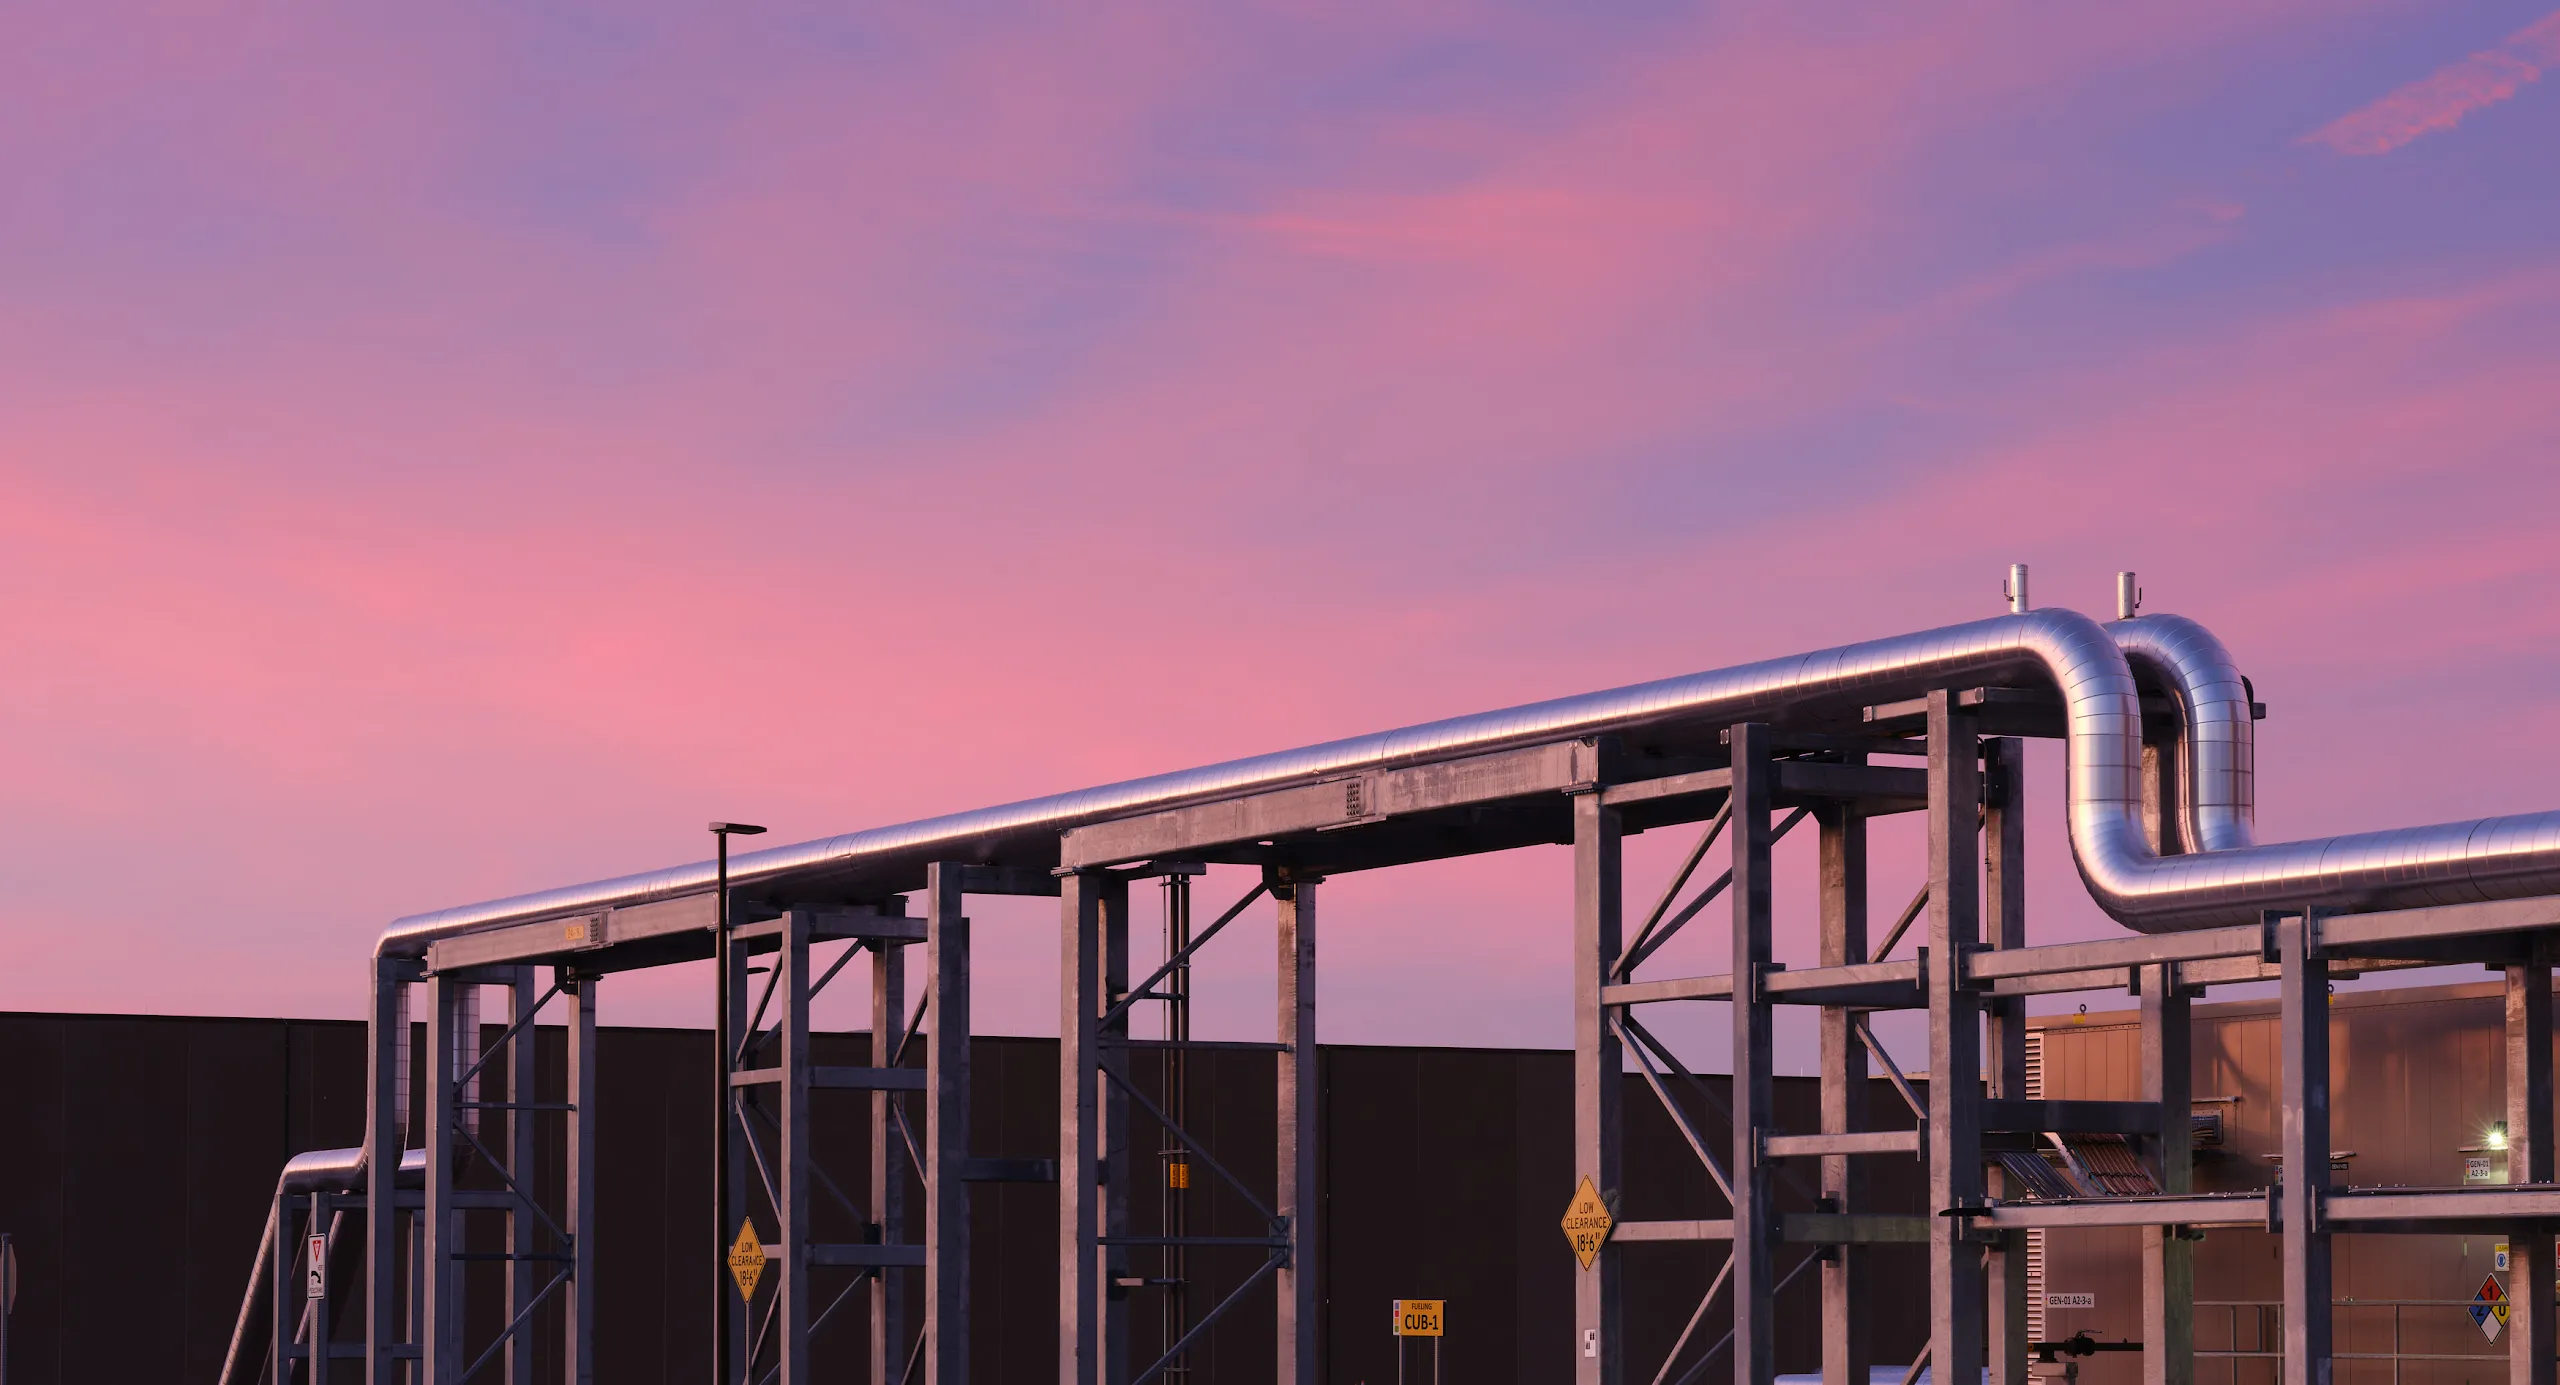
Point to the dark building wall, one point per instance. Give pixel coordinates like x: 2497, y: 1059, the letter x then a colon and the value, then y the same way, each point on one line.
x: 138, y: 1154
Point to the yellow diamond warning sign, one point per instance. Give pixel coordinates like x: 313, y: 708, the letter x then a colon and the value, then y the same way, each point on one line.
x: 1587, y: 1222
x: 746, y: 1260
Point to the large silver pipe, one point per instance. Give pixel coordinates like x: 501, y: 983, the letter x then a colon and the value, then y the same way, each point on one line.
x: 312, y: 1171
x: 2490, y: 858
x: 2217, y: 740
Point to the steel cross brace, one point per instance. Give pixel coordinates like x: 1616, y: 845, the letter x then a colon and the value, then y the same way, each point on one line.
x: 1270, y: 1263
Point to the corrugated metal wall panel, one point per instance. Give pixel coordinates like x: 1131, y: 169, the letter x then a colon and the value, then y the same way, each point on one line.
x: 2418, y: 1074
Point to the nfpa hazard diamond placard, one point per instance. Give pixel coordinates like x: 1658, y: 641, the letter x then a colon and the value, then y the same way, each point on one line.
x: 2488, y: 1308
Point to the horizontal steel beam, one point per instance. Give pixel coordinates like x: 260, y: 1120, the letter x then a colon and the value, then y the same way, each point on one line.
x: 1797, y: 781
x: 2370, y: 1210
x: 1381, y: 796
x: 1860, y: 985
x: 836, y: 924
x: 2230, y: 971
x: 2212, y: 957
x: 693, y: 913
x: 2116, y: 953
x: 1866, y: 985
x: 2346, y: 1207
x: 1998, y: 712
x: 2064, y: 982
x: 1856, y: 1142
x: 840, y: 1079
x: 1784, y: 986
x: 2347, y: 932
x: 1678, y: 988
x: 2244, y: 1209
x: 596, y: 940
x: 1800, y: 1228
x: 2222, y: 956
x: 2207, y: 957
x: 1204, y: 1045
x: 1669, y: 786
x: 1351, y: 801
x: 549, y: 938
x: 1673, y: 1230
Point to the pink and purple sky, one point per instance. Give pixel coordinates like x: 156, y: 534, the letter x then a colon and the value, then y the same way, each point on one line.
x: 444, y: 454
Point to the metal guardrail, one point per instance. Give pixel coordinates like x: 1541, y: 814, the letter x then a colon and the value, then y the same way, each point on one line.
x: 2267, y: 1320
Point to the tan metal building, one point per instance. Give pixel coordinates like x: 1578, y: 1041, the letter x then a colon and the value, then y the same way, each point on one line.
x: 2419, y: 1101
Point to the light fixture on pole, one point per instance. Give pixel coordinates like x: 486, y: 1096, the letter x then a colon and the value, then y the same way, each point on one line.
x: 721, y: 832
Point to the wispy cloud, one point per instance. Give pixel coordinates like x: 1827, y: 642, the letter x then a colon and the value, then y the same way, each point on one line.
x: 2442, y: 99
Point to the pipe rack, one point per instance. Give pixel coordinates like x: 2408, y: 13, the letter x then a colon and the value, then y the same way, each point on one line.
x: 2158, y: 732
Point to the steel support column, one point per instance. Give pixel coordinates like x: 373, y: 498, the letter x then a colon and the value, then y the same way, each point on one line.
x: 1294, y: 1201
x: 1956, y: 1304
x: 889, y: 1160
x: 2304, y: 1010
x: 386, y: 1140
x: 792, y: 1172
x: 736, y: 1318
x: 2004, y: 925
x: 2530, y: 1343
x: 1599, y: 1351
x: 1112, y: 1119
x: 1080, y: 1006
x: 1846, y: 1358
x: 1754, y: 1073
x: 451, y: 1017
x: 946, y: 1213
x: 2168, y: 1257
x: 525, y: 1276
x: 578, y: 1180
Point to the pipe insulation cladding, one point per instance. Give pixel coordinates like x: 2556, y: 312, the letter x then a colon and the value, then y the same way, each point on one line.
x: 2225, y: 878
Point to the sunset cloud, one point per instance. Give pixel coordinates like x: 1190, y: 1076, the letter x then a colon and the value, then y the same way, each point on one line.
x: 448, y: 461
x: 2440, y: 100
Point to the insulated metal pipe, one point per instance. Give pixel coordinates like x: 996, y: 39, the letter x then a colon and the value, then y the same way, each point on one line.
x: 313, y: 1171
x: 2489, y: 858
x: 2217, y: 741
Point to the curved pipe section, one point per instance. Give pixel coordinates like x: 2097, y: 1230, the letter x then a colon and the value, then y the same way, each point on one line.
x: 313, y: 1171
x: 2449, y: 863
x: 2217, y: 744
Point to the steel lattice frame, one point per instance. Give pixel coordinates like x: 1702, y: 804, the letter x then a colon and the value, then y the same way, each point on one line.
x: 1835, y: 767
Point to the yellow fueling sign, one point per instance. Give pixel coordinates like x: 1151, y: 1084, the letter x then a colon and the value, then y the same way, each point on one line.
x: 1587, y: 1222
x: 1418, y: 1317
x: 746, y: 1260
